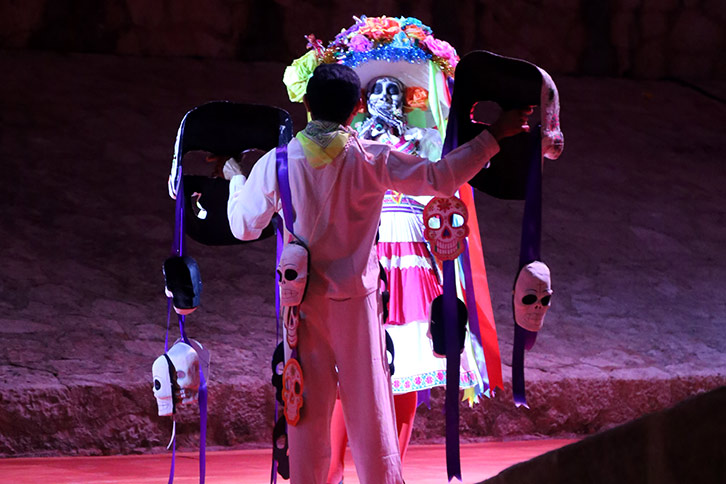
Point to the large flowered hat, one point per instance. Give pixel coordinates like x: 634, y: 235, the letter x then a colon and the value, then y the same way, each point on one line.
x: 401, y: 47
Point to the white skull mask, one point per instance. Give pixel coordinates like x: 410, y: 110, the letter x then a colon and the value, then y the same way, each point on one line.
x: 445, y: 221
x: 292, y: 274
x: 163, y: 385
x: 186, y: 363
x: 292, y: 389
x: 385, y: 101
x: 553, y: 141
x: 532, y: 294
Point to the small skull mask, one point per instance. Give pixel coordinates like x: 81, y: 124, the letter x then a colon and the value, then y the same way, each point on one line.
x: 445, y: 221
x: 186, y: 363
x: 292, y: 390
x: 532, y: 294
x: 292, y: 273
x: 165, y: 385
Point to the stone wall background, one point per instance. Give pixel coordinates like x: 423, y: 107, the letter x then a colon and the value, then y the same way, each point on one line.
x: 642, y: 39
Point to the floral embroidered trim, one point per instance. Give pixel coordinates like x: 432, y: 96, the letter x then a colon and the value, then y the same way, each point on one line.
x: 430, y: 379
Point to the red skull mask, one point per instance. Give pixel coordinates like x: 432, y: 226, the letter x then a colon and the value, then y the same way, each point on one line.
x: 445, y: 221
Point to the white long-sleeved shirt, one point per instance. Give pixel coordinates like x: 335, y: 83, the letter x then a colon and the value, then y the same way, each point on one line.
x: 338, y: 205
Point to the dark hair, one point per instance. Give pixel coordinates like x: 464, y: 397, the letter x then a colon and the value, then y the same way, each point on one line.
x: 332, y: 92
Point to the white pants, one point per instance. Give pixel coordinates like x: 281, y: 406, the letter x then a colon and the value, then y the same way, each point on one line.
x: 347, y: 334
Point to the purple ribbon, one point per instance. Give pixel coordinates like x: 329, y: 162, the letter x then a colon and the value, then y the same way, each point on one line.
x: 453, y: 357
x: 530, y: 249
x: 424, y: 398
x: 202, y: 426
x: 283, y: 182
x: 173, y: 458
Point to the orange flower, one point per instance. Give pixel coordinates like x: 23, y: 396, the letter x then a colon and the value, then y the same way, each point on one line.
x: 416, y: 97
x: 380, y: 28
x: 415, y: 32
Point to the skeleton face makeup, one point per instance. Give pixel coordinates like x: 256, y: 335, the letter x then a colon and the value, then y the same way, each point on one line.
x: 445, y: 221
x: 292, y: 273
x: 532, y: 294
x: 186, y: 363
x: 385, y: 101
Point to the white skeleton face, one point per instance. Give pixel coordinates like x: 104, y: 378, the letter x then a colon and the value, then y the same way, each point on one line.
x: 292, y: 274
x: 186, y: 362
x: 385, y: 98
x: 446, y: 229
x: 163, y: 391
x: 532, y: 294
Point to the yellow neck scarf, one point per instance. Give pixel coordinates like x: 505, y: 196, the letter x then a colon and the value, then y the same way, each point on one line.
x: 322, y: 142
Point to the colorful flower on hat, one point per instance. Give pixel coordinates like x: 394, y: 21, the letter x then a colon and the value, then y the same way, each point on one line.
x: 297, y: 75
x: 415, y: 32
x: 360, y: 43
x: 440, y: 48
x: 416, y: 97
x: 380, y: 28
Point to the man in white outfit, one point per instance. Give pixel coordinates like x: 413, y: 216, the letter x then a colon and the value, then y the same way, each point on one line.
x: 338, y: 182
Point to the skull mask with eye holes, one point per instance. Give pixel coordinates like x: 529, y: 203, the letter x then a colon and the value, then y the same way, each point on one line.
x: 532, y: 295
x: 292, y: 273
x: 445, y: 220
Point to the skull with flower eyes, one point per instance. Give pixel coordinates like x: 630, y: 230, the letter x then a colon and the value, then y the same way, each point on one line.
x: 532, y: 295
x: 445, y: 221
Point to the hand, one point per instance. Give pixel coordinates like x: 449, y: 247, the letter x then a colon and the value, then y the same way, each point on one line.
x: 231, y: 168
x: 511, y: 122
